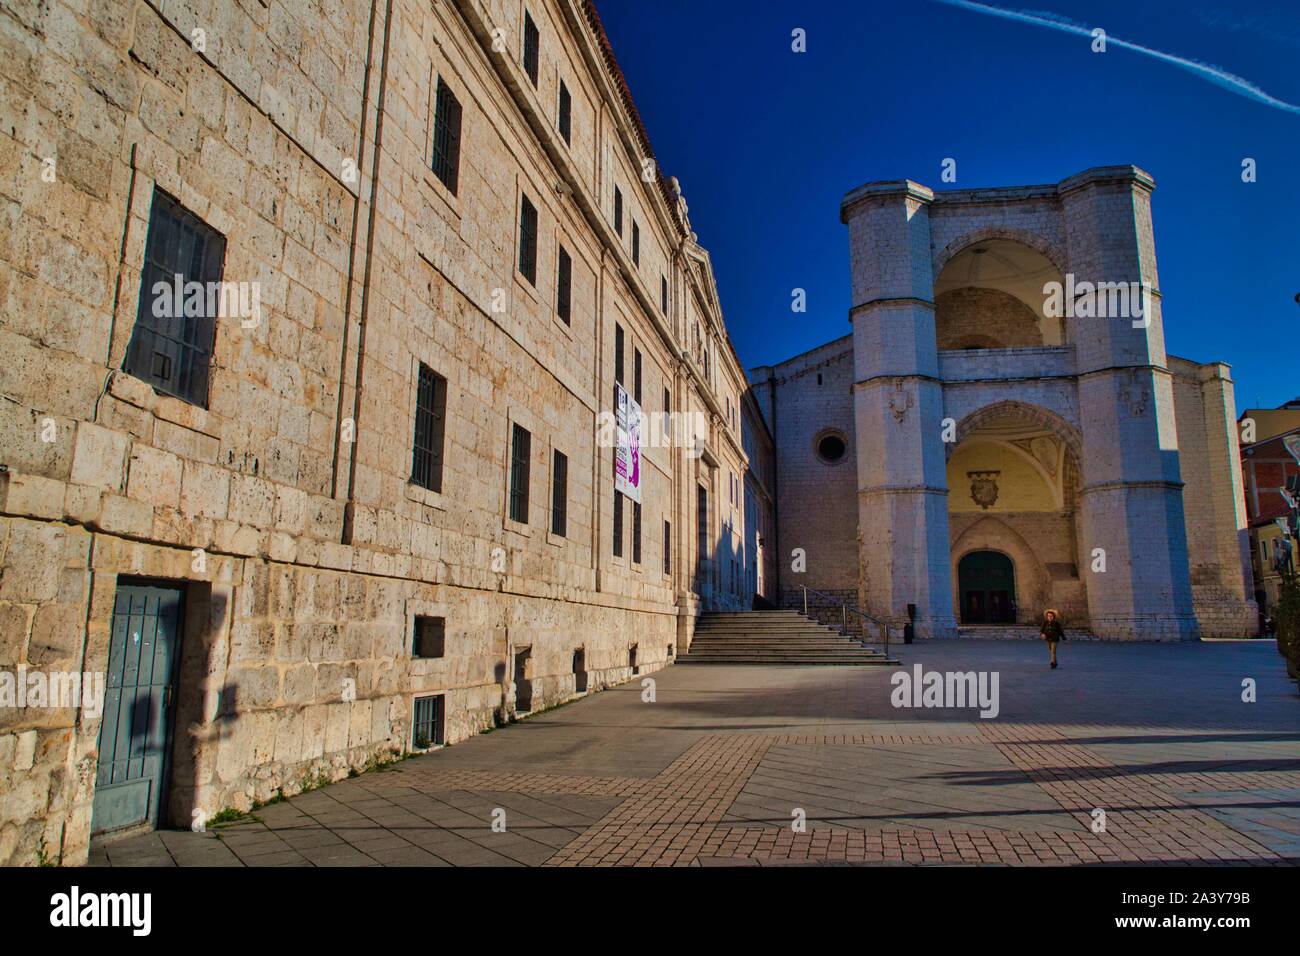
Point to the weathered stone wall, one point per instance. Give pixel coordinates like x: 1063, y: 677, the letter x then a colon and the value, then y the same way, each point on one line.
x: 282, y: 505
x: 818, y: 499
x: 984, y: 319
x: 1217, y: 541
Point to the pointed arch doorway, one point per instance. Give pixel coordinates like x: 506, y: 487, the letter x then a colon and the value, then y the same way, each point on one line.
x: 986, y: 581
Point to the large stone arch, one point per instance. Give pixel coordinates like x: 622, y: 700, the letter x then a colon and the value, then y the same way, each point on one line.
x: 1017, y: 411
x: 1033, y: 583
x: 1047, y: 567
x: 1049, y: 249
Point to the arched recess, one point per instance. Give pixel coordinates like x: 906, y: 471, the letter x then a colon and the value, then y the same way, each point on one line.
x: 1032, y: 581
x: 990, y: 283
x: 1011, y: 411
x: 1031, y: 239
x: 999, y: 506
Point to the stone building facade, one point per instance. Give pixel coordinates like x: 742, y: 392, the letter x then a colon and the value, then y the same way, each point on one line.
x: 370, y: 509
x: 1266, y: 468
x: 978, y: 454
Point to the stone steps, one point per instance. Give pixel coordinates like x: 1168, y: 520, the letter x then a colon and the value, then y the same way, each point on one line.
x: 774, y: 638
x: 1014, y: 632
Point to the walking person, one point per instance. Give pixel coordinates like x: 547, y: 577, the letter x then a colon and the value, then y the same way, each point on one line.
x: 1052, y: 631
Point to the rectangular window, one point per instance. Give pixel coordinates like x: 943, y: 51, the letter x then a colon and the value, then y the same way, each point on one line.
x: 636, y: 532
x: 426, y: 722
x: 173, y: 353
x: 618, y: 353
x: 636, y: 375
x: 564, y: 286
x: 566, y: 113
x: 560, y: 494
x: 668, y: 408
x: 668, y: 541
x: 618, y: 524
x: 532, y: 45
x: 618, y: 210
x: 521, y: 443
x: 446, y: 138
x: 430, y: 427
x: 430, y: 639
x: 636, y: 243
x: 528, y: 240
x: 663, y: 294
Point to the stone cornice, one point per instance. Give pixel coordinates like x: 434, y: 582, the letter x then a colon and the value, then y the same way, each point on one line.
x: 882, y: 191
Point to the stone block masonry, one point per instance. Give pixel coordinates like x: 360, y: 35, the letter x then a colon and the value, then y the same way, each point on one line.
x: 366, y: 174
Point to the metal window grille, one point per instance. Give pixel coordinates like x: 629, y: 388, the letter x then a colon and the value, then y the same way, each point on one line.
x: 564, y: 286
x: 427, y: 722
x: 528, y: 240
x: 520, y: 447
x: 566, y: 112
x: 560, y: 495
x: 531, y: 47
x: 430, y: 428
x: 173, y: 352
x: 446, y: 138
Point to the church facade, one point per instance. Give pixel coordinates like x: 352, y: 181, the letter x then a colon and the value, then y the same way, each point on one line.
x: 1003, y: 430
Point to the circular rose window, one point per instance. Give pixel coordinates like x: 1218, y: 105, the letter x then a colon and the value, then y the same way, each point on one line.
x: 831, y: 447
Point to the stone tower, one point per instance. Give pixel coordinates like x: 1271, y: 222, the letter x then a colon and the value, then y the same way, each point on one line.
x: 1105, y: 389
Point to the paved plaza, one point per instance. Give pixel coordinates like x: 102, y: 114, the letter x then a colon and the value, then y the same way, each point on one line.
x: 720, y: 768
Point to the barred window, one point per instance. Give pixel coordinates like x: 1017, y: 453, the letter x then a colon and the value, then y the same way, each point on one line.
x: 426, y: 722
x: 446, y: 138
x: 636, y: 532
x: 560, y: 494
x: 564, y: 286
x: 528, y: 240
x: 430, y: 428
x: 618, y: 210
x: 566, y: 113
x: 618, y: 524
x: 636, y: 243
x: 171, y: 348
x: 663, y: 294
x: 520, y: 448
x: 636, y: 375
x: 531, y: 47
x: 668, y: 540
x: 618, y: 353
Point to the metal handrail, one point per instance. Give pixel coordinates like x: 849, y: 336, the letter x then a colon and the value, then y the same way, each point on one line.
x: 845, y: 608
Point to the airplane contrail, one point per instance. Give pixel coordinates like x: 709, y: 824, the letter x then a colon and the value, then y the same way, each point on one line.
x: 1217, y: 76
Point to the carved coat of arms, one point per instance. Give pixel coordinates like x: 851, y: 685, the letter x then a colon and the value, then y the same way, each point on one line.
x: 900, y: 400
x: 984, y: 488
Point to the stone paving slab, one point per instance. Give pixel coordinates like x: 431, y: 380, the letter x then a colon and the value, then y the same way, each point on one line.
x: 711, y: 772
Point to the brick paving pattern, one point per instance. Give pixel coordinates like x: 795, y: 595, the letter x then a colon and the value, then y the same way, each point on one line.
x: 786, y: 766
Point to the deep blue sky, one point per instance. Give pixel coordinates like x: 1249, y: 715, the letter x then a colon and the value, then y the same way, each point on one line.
x: 766, y: 141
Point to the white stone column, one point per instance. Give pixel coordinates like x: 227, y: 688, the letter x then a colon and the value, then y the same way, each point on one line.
x: 898, y: 408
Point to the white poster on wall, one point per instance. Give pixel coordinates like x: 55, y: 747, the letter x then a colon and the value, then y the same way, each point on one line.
x: 627, y: 451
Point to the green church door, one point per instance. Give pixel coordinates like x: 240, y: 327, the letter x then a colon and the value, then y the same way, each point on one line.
x: 135, y: 733
x: 987, y: 583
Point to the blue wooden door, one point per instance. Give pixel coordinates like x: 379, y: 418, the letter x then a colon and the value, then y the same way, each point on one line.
x: 135, y: 734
